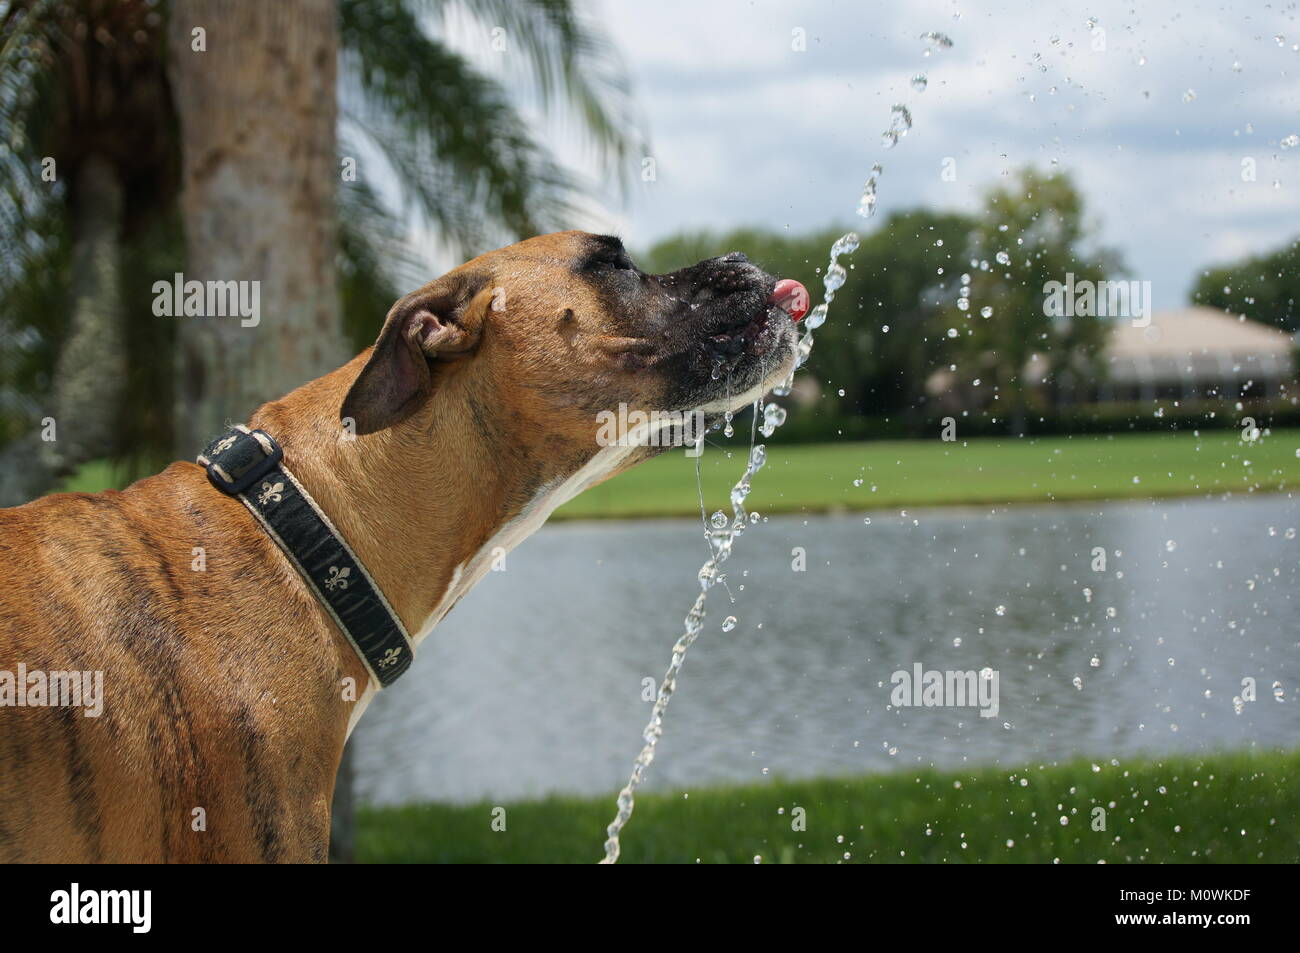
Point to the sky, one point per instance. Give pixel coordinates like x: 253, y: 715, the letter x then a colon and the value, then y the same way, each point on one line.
x: 1152, y: 109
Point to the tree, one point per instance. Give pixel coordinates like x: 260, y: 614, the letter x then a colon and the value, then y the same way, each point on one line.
x: 254, y: 86
x: 900, y: 273
x: 85, y: 116
x: 1030, y: 233
x: 1264, y: 288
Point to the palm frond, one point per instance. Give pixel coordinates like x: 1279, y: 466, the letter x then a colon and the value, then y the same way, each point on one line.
x: 375, y: 262
x: 572, y: 62
x: 462, y: 153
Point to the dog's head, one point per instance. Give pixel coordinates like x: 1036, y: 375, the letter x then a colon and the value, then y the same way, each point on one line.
x: 557, y: 329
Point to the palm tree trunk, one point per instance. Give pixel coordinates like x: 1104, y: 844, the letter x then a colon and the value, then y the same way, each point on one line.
x: 257, y: 112
x: 259, y: 171
x: 91, y: 369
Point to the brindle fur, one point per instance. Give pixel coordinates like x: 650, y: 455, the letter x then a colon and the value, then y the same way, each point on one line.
x: 224, y: 688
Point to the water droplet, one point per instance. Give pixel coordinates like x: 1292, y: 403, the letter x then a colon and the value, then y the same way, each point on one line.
x: 773, y: 417
x: 846, y: 244
x: 834, y: 281
x: 939, y: 40
x: 867, y: 203
x: 728, y: 623
x: 919, y: 82
x: 718, y: 519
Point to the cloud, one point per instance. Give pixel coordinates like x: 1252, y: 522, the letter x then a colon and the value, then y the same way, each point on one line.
x: 745, y: 130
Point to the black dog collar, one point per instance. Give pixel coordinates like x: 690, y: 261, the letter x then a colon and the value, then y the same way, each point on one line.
x: 248, y: 464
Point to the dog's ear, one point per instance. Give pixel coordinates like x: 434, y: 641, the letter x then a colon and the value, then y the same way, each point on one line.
x: 442, y: 319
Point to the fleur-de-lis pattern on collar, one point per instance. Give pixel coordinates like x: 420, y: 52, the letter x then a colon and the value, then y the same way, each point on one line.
x: 251, y: 468
x: 338, y: 578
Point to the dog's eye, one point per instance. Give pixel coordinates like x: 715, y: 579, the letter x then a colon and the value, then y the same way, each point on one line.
x: 614, y: 261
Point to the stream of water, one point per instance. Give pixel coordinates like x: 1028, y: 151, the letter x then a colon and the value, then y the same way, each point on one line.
x: 721, y: 533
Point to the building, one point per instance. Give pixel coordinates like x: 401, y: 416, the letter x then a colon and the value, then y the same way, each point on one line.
x: 1193, y: 353
x: 1196, y: 352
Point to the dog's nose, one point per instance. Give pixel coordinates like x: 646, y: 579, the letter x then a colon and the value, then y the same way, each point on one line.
x: 736, y: 256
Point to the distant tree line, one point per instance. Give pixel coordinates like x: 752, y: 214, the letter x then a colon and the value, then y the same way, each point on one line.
x: 1263, y: 287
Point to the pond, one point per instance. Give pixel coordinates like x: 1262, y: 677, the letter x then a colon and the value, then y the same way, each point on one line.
x: 534, y: 683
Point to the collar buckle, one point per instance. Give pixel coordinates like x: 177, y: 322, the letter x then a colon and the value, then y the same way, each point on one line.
x: 239, y: 458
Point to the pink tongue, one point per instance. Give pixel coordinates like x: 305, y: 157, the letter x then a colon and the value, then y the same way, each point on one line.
x: 790, y: 296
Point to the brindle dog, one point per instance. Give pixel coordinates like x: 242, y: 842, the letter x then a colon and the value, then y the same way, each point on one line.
x: 228, y: 692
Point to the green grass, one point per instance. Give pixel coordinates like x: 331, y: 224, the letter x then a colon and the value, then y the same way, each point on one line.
x: 815, y: 478
x: 93, y: 477
x: 819, y: 478
x: 1223, y: 808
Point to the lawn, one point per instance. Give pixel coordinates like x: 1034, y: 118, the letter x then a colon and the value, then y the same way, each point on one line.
x: 855, y: 476
x: 821, y: 477
x: 1222, y: 808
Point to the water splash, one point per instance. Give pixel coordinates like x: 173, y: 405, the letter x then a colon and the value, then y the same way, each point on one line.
x: 721, y: 532
x: 900, y: 124
x: 867, y: 204
x: 936, y: 40
x: 722, y: 535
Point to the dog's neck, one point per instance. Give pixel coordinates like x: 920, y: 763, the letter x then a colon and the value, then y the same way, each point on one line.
x: 429, y: 504
x: 416, y: 502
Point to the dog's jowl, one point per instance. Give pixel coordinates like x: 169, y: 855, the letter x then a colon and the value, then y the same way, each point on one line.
x: 224, y: 667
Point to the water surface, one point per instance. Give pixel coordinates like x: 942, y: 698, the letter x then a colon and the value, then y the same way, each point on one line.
x: 534, y: 683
